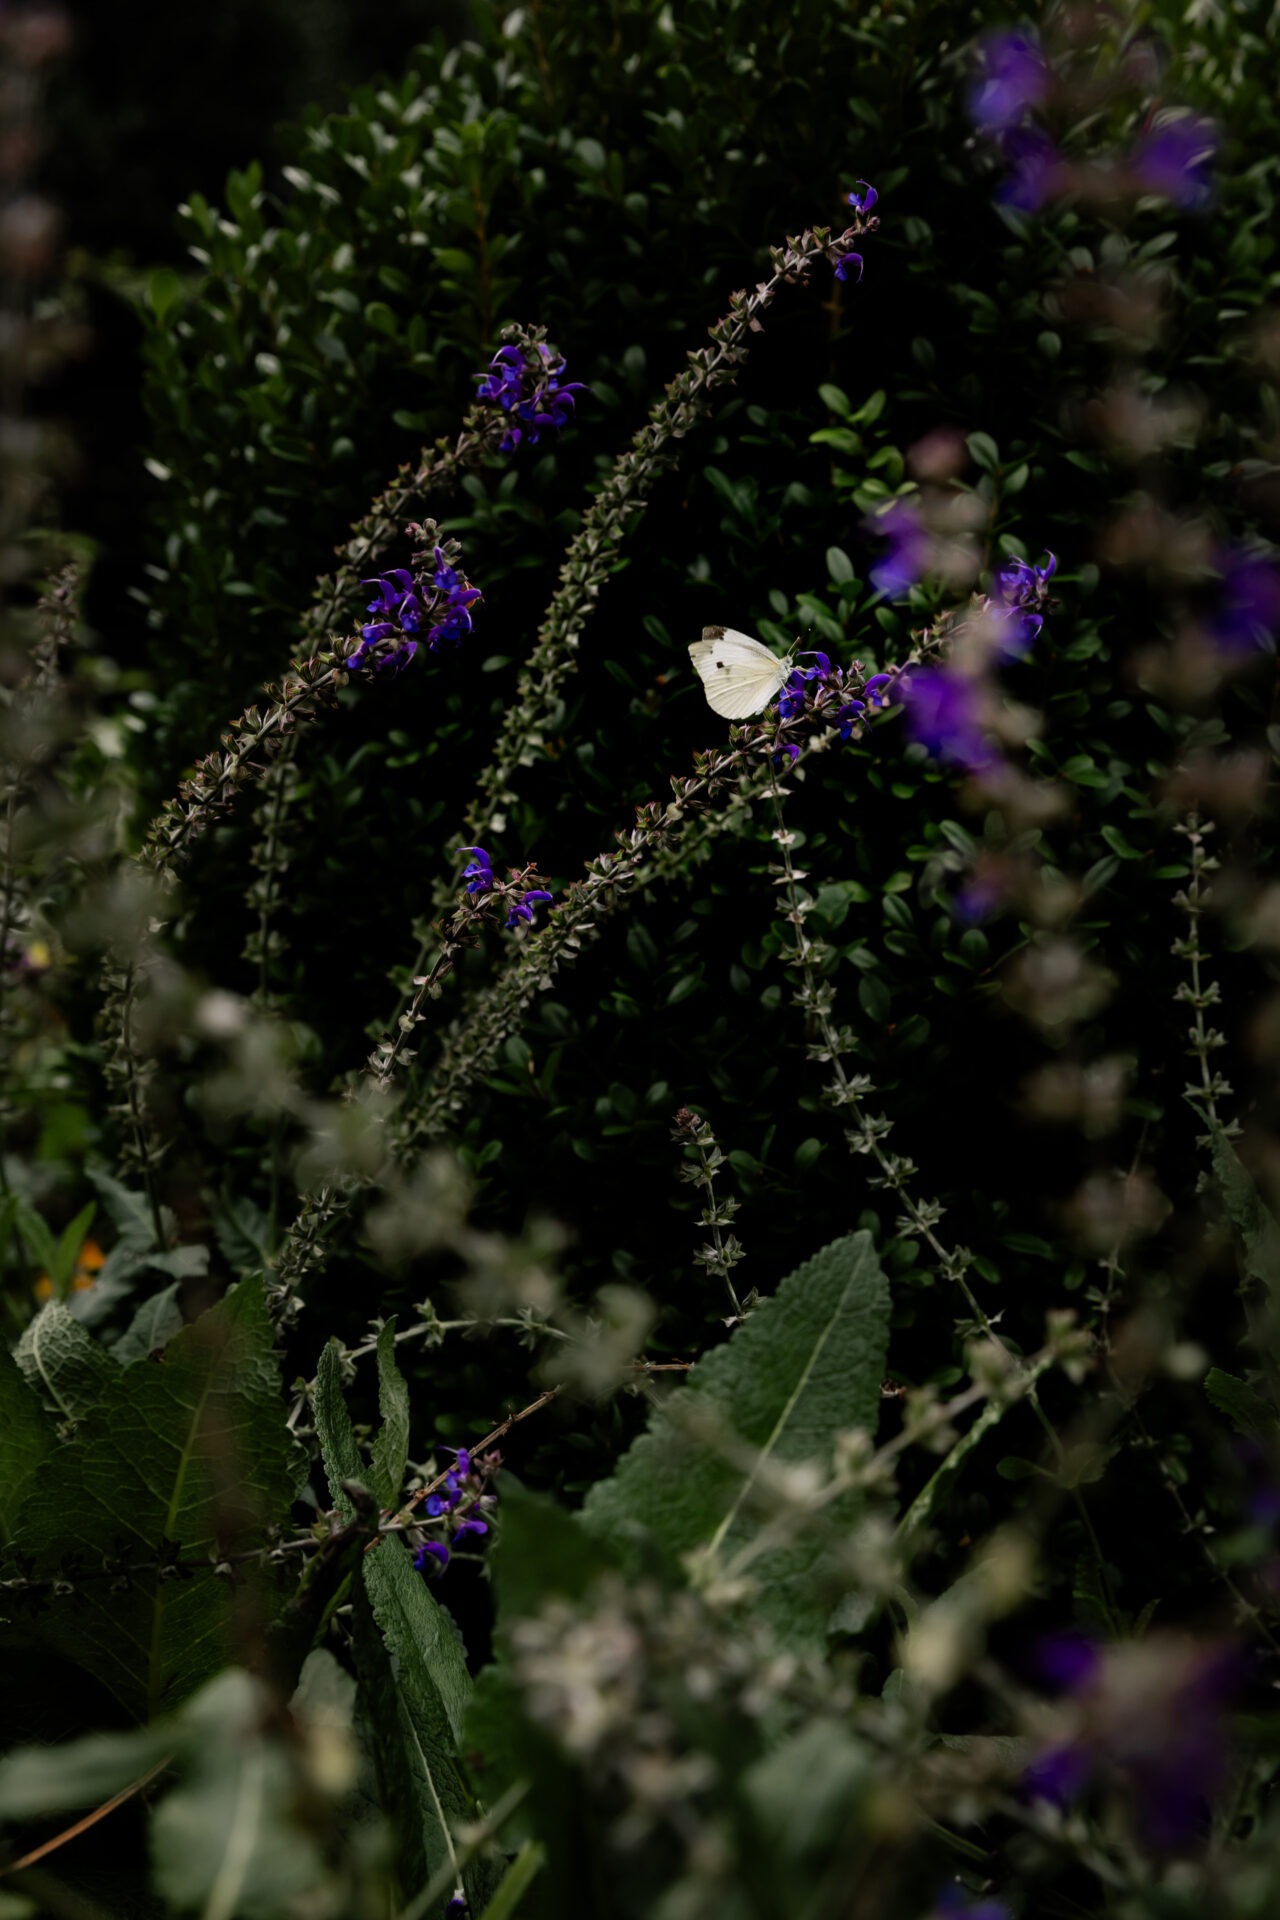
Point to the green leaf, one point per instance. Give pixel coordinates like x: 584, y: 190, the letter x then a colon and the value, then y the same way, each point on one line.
x: 64, y: 1364
x: 38, y: 1781
x: 839, y: 565
x: 516, y: 1881
x: 178, y: 1460
x: 35, y: 1232
x: 983, y: 451
x: 938, y: 1487
x: 540, y: 1550
x: 412, y: 1672
x: 67, y: 1251
x: 231, y: 1837
x: 26, y: 1439
x: 391, y: 1448
x: 803, y: 1368
x: 1247, y: 1411
x: 1256, y: 1224
x: 151, y: 1328
x: 164, y: 291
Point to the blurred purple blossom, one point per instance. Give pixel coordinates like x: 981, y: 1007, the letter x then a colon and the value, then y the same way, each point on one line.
x: 1037, y: 170
x: 1015, y: 80
x: 1247, y: 611
x: 1173, y: 160
x: 943, y: 715
x: 957, y: 1903
x: 1150, y: 1717
x: 910, y: 549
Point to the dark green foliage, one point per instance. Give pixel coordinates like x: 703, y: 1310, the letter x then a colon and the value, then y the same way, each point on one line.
x: 168, y: 1465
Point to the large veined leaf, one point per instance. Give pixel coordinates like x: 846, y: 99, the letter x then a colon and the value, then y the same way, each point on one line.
x: 804, y: 1367
x: 26, y: 1439
x: 62, y: 1363
x: 412, y: 1674
x: 177, y: 1458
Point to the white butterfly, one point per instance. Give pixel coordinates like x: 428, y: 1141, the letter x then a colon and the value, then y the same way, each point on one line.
x: 740, y: 675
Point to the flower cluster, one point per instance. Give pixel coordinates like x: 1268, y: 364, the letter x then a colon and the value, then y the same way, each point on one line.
x: 862, y: 203
x: 1147, y: 1717
x: 479, y: 879
x: 1171, y: 157
x: 948, y: 708
x: 525, y: 382
x: 455, y: 1505
x: 404, y: 604
x: 845, y: 695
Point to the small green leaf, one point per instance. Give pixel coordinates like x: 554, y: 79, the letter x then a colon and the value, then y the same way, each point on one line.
x: 983, y: 451
x: 839, y: 565
x: 1247, y: 1411
x: 391, y: 1447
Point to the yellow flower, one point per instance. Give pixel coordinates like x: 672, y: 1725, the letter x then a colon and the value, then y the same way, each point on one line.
x: 88, y: 1261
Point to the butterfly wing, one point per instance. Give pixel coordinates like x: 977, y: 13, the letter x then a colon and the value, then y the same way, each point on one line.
x: 739, y: 675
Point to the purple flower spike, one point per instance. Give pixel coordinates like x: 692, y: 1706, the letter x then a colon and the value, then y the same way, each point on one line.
x: 849, y: 260
x: 864, y: 201
x: 431, y: 1550
x: 909, y: 552
x: 523, y: 909
x: 1173, y: 160
x: 1015, y: 80
x: 942, y: 715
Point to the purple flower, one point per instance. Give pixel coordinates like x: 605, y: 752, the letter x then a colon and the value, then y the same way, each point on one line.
x: 849, y: 715
x: 479, y: 875
x: 1173, y: 160
x: 863, y: 202
x: 943, y: 716
x: 1017, y: 589
x: 469, y: 1525
x: 1037, y: 170
x: 1069, y: 1661
x: 877, y: 691
x: 523, y: 908
x: 1015, y: 80
x: 910, y: 549
x: 460, y: 596
x: 956, y: 1903
x: 1248, y: 609
x: 786, y: 755
x: 431, y: 1550
x: 1149, y: 1718
x: 791, y: 701
x: 456, y: 1908
x: 845, y: 262
x: 524, y: 381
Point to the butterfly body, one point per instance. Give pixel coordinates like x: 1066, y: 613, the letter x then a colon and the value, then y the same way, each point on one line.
x: 739, y: 675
